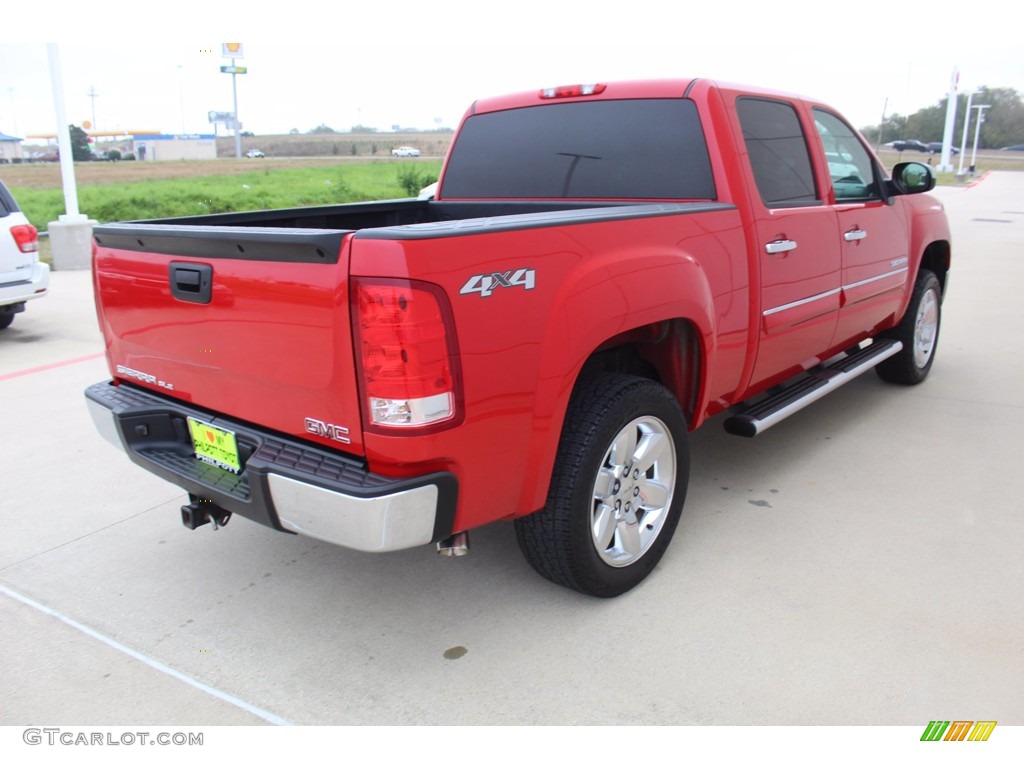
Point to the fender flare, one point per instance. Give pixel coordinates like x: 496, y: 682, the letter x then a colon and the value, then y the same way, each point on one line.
x: 632, y: 291
x: 928, y: 229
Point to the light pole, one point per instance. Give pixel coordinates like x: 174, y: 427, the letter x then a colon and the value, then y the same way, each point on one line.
x: 963, y: 137
x: 977, y: 131
x: 14, y: 117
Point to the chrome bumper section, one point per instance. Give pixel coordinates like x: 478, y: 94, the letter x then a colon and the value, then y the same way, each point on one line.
x: 287, y: 484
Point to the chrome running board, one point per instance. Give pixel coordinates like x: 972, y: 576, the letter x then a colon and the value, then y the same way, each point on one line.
x: 754, y: 420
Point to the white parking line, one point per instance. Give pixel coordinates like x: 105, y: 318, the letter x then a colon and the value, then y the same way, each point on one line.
x: 157, y: 665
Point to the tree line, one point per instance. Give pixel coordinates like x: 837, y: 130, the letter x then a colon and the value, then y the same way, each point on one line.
x: 1003, y: 124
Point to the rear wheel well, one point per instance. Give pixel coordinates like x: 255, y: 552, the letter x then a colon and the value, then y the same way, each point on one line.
x: 667, y: 352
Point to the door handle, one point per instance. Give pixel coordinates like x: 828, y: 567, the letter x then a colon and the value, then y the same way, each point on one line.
x: 854, y: 234
x: 780, y: 246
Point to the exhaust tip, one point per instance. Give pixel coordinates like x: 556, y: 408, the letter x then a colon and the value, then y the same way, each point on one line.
x: 455, y: 545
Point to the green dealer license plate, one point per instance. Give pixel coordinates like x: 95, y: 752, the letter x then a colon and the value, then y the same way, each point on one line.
x: 215, y: 446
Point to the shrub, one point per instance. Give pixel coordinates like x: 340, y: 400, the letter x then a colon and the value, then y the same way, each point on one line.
x: 412, y: 181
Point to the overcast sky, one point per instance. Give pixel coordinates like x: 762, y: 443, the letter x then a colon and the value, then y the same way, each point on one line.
x: 420, y: 65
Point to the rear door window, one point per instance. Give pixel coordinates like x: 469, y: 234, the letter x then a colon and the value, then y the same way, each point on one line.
x: 627, y: 149
x: 779, y: 155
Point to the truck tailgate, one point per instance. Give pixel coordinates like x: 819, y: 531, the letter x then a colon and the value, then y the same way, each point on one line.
x: 252, y: 323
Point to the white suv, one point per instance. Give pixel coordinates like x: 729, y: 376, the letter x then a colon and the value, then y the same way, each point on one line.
x: 405, y: 152
x: 22, y: 275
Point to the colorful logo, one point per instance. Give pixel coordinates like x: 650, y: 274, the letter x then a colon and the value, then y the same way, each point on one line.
x: 958, y: 730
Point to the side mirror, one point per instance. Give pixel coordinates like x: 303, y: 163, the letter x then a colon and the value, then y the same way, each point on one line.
x: 912, y: 178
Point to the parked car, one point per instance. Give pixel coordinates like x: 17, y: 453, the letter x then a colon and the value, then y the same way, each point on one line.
x: 405, y: 152
x: 255, y: 153
x: 1014, y: 148
x: 902, y: 145
x: 935, y: 147
x: 22, y: 276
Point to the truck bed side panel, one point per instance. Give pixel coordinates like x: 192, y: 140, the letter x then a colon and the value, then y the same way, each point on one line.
x: 522, y: 344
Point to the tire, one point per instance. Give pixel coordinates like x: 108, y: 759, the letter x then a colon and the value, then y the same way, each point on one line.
x: 604, y: 528
x: 6, y: 318
x: 919, y: 332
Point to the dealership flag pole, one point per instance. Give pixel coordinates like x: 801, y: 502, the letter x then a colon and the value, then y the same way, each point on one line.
x: 67, y: 167
x: 71, y: 234
x: 947, y: 134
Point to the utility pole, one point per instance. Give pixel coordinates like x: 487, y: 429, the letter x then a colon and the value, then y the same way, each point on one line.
x: 92, y: 95
x: 881, y: 125
x: 181, y: 98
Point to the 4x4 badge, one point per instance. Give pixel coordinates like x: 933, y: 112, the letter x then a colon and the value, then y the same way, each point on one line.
x: 486, y: 284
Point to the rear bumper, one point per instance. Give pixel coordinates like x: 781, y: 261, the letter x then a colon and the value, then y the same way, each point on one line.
x: 286, y: 484
x: 34, y: 286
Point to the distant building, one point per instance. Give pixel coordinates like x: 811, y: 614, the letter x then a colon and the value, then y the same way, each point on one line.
x: 10, y: 149
x: 166, y: 146
x: 146, y: 145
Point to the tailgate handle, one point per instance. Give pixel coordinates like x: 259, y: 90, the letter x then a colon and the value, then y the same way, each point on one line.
x: 191, y: 282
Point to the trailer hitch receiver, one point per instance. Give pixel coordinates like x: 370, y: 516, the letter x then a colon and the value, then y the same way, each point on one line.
x: 200, y: 511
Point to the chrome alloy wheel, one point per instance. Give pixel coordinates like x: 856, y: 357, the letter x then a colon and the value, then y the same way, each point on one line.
x: 633, y: 491
x: 926, y: 328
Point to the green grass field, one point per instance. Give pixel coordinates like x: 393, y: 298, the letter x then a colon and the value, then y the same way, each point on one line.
x: 136, y: 190
x: 256, y: 189
x: 141, y: 190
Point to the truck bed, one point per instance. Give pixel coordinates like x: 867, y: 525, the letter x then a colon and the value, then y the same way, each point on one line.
x: 358, y: 216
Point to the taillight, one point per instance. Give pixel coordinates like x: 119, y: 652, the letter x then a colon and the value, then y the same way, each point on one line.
x: 26, y: 237
x: 569, y: 91
x: 407, y: 353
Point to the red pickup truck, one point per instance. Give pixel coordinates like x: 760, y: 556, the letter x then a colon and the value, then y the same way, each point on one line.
x: 603, y: 268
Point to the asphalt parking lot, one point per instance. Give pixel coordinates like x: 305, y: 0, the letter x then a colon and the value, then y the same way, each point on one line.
x: 861, y: 563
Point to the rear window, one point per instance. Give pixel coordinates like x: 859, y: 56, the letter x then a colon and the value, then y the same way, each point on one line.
x: 633, y: 149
